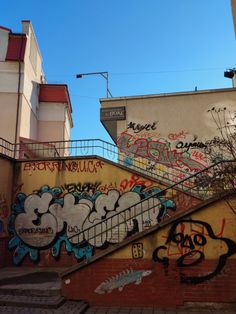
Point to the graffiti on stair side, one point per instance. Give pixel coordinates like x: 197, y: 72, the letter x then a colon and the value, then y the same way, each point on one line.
x: 80, y: 166
x: 137, y: 250
x: 185, y: 201
x: 83, y: 221
x: 121, y: 280
x: 190, y: 244
x: 4, y: 213
x: 81, y: 187
x: 135, y: 180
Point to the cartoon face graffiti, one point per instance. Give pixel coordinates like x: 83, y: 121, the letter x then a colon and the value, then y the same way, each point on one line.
x: 191, y: 249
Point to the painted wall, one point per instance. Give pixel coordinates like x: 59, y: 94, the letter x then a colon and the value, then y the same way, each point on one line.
x: 58, y: 199
x: 30, y: 77
x: 8, y: 109
x: 172, y: 129
x: 4, y: 43
x: 6, y: 184
x: 52, y: 120
x: 6, y: 166
x: 28, y: 126
x: 190, y: 260
x: 36, y: 121
x: 28, y: 122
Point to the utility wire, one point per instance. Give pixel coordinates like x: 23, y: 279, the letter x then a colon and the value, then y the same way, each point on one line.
x: 150, y: 72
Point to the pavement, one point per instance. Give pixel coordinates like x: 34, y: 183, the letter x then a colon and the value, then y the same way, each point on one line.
x: 37, y: 291
x: 71, y: 307
x: 150, y: 310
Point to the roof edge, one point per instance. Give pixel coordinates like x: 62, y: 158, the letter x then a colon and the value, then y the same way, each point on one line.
x: 204, y: 91
x: 5, y: 28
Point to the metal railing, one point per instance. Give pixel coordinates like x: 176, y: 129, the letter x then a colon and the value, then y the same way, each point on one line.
x: 150, y: 211
x: 89, y: 147
x: 158, y: 206
x: 7, y: 148
x: 96, y: 147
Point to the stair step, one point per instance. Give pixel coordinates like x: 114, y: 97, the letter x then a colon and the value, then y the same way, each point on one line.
x: 69, y: 307
x: 46, y: 289
x: 51, y: 302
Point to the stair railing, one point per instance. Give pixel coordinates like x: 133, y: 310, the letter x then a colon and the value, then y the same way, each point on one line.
x: 90, y: 147
x: 97, y: 147
x: 156, y: 207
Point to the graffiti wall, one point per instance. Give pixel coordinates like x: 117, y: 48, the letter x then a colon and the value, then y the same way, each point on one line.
x: 178, y: 150
x: 192, y: 259
x: 6, y: 166
x: 179, y: 132
x: 6, y: 190
x: 78, y: 207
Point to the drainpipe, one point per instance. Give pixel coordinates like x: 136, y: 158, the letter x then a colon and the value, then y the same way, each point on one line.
x: 18, y: 96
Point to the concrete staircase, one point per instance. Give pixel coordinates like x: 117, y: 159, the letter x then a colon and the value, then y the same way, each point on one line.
x: 34, y: 290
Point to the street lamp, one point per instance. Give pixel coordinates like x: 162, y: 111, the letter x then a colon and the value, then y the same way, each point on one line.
x: 103, y: 74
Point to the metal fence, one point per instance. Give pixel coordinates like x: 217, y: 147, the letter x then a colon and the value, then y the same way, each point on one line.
x: 7, y: 148
x: 109, y: 151
x: 91, y: 147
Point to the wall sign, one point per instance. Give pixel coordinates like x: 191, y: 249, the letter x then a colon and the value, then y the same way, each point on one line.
x: 113, y: 114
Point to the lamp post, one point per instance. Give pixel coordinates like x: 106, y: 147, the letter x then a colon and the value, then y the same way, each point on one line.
x: 103, y: 74
x: 230, y: 73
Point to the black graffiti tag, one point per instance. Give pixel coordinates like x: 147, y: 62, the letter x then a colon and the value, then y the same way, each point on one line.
x: 81, y: 187
x: 140, y: 127
x: 191, y: 242
x: 190, y: 145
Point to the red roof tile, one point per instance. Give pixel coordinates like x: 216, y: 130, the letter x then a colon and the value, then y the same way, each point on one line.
x: 54, y: 93
x: 5, y: 28
x: 16, y: 47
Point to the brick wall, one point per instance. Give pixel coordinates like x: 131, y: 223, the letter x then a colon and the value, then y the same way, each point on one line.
x: 161, y: 288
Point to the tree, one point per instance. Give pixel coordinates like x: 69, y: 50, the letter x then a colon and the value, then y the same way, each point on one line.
x: 221, y: 152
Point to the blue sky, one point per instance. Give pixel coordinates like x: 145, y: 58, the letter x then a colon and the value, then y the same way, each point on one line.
x: 147, y: 46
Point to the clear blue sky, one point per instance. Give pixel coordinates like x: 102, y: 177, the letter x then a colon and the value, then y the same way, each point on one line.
x: 147, y: 46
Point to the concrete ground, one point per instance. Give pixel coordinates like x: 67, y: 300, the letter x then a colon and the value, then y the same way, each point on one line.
x: 73, y: 307
x: 46, y: 280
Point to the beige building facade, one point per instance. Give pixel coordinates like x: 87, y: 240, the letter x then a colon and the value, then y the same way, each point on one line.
x: 31, y: 109
x: 177, y: 130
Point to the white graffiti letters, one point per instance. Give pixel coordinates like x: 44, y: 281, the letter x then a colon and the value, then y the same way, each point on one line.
x: 106, y: 219
x: 34, y: 229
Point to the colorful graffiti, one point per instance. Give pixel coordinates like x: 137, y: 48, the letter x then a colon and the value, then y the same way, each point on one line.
x: 158, y: 150
x: 190, y: 246
x: 121, y: 280
x: 83, y: 221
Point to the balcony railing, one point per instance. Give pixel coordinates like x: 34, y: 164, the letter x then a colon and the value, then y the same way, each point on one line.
x: 7, y: 148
